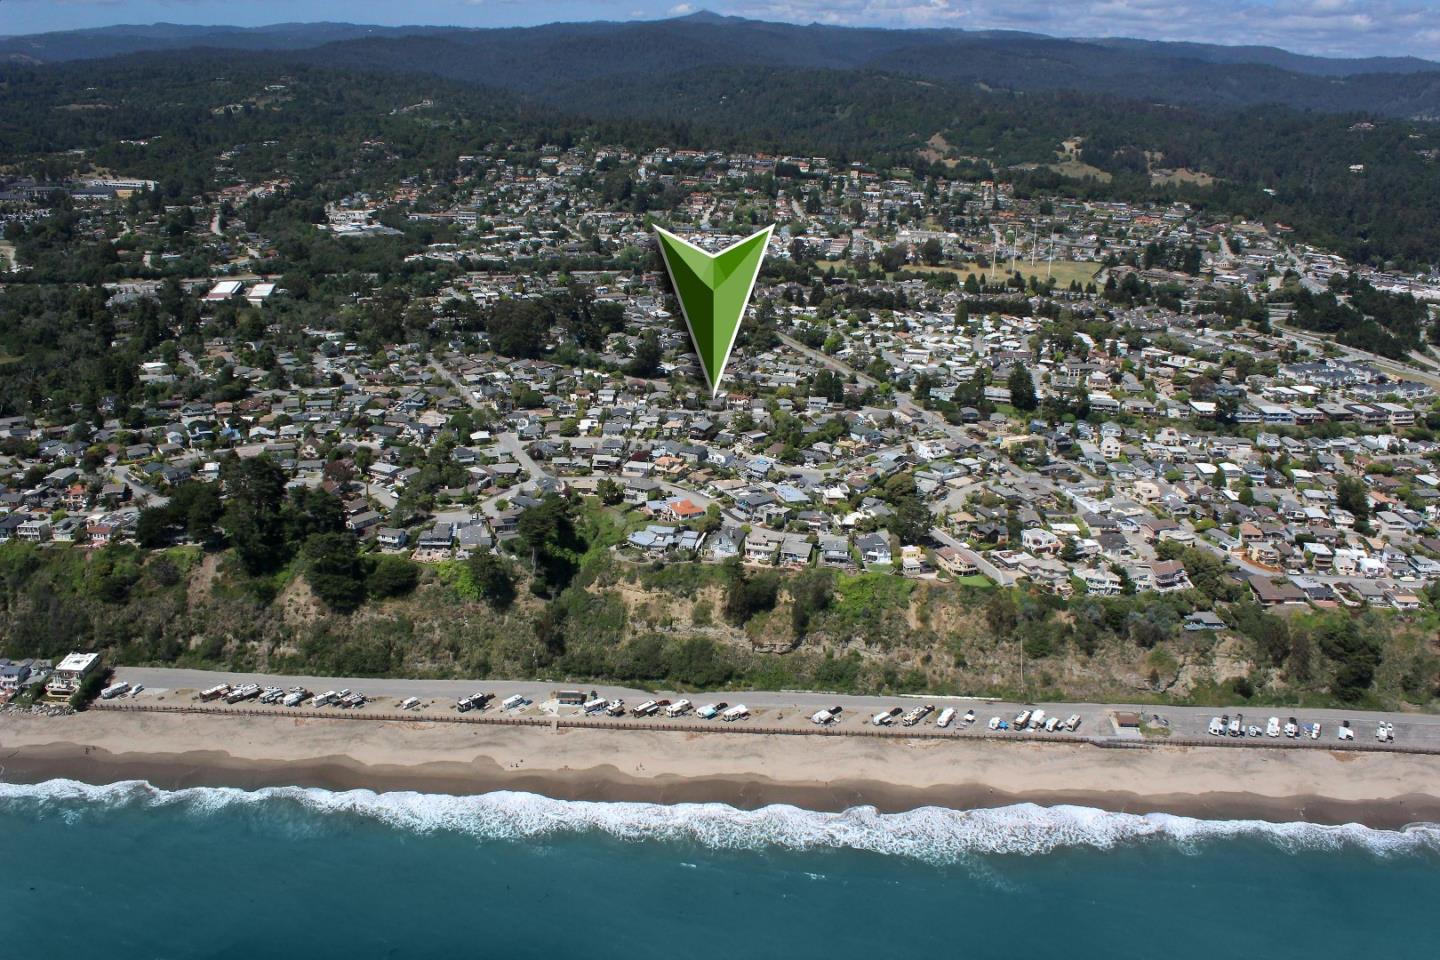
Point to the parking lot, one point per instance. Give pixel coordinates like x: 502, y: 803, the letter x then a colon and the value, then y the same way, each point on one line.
x: 793, y: 709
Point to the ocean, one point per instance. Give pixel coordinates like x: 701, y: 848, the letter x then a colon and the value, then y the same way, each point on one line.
x: 128, y: 871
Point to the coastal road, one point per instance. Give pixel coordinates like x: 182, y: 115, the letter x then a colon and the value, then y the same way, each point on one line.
x: 784, y: 707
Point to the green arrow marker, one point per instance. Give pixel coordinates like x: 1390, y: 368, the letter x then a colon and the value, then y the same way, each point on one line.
x: 713, y: 290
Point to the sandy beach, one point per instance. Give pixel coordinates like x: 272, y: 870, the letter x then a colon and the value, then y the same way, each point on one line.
x: 174, y: 751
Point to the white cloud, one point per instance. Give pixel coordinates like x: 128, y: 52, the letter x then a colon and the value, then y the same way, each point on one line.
x: 681, y: 9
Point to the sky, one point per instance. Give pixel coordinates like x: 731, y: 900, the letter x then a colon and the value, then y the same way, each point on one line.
x: 1326, y: 27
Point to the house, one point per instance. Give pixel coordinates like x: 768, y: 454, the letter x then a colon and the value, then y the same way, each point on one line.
x: 34, y: 530
x: 655, y: 539
x: 1271, y: 594
x: 364, y: 521
x: 761, y: 546
x: 681, y: 510
x: 1402, y: 601
x: 70, y: 673
x: 471, y: 539
x: 795, y: 551
x: 1100, y: 582
x: 640, y: 490
x: 874, y: 548
x: 13, y: 675
x: 957, y: 561
x: 835, y: 551
x: 724, y: 544
x: 1204, y: 620
x: 391, y: 537
x: 912, y: 561
x: 1038, y: 541
x: 1167, y: 576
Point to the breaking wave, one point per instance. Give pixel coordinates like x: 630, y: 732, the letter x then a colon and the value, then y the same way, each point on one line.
x: 932, y: 834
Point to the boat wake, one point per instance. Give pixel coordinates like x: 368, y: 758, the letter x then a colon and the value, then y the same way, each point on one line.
x: 932, y: 834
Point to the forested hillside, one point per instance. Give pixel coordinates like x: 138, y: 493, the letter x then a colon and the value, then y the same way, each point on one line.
x: 1271, y: 163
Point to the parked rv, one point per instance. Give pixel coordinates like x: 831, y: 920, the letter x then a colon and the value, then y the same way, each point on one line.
x: 215, y: 692
x: 246, y: 691
x: 885, y: 717
x: 916, y: 715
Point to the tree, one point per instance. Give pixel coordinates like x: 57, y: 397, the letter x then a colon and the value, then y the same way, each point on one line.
x: 493, y: 580
x: 152, y: 527
x: 1022, y: 388
x: 334, y: 571
x: 646, y: 361
x: 518, y: 328
x: 748, y: 595
x: 547, y: 531
x: 1356, y: 656
x: 255, y: 489
x: 609, y: 492
x: 391, y: 577
x: 1352, y: 496
x: 810, y: 592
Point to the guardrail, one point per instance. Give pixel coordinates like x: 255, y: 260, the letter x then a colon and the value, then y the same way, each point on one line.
x: 745, y: 727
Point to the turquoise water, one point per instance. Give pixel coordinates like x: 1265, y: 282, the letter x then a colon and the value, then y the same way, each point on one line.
x: 128, y: 871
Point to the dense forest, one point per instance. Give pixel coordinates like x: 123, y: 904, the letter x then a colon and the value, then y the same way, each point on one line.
x: 1273, y: 163
x: 542, y: 59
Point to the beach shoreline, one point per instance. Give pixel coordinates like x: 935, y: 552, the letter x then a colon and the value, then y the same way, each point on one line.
x: 177, y: 752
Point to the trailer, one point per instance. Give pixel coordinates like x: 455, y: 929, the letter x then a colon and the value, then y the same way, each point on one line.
x: 885, y: 717
x: 917, y: 715
x: 215, y: 692
x: 513, y: 703
x: 594, y: 706
x: 737, y: 712
x: 678, y: 709
x: 246, y: 691
x: 947, y: 716
x: 114, y: 690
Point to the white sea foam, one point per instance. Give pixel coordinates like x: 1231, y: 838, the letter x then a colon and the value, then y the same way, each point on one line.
x: 932, y: 834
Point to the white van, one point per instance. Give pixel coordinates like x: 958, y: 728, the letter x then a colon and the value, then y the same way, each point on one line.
x: 946, y: 716
x: 512, y: 703
x: 737, y: 712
